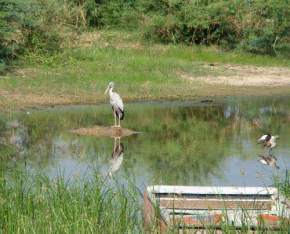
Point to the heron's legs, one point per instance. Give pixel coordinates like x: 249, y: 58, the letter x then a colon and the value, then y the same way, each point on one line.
x: 115, y: 119
x: 119, y: 125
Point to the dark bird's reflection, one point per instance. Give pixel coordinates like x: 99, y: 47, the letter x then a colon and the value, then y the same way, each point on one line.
x: 269, y: 160
x: 117, y: 156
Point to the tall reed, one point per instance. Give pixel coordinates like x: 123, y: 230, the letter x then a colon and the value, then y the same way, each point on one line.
x: 36, y: 204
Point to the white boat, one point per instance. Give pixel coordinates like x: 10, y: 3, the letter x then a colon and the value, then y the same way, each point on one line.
x: 201, y: 207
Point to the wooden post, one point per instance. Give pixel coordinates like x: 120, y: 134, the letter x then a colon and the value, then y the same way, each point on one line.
x: 151, y: 219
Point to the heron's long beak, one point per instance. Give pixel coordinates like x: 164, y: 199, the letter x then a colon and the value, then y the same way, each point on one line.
x: 107, y: 90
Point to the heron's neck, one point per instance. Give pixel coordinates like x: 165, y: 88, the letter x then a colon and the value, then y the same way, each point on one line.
x: 111, y: 90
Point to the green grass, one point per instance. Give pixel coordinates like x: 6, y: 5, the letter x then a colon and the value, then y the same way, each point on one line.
x: 284, y: 185
x: 35, y: 204
x: 140, y: 69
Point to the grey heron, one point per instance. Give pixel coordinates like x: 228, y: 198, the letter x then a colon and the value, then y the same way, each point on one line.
x: 117, y: 104
x: 268, y: 141
x: 269, y: 160
x: 117, y: 156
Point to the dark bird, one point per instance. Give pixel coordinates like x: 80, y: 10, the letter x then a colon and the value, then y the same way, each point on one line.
x: 268, y: 141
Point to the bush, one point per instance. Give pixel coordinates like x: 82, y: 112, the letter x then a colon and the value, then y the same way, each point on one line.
x: 40, y: 26
x: 269, y: 27
x: 260, y: 26
x: 30, y: 25
x: 111, y: 13
x: 257, y: 26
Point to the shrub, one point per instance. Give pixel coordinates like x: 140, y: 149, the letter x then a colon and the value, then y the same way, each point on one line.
x: 260, y: 26
x: 257, y: 26
x: 30, y: 25
x: 111, y: 13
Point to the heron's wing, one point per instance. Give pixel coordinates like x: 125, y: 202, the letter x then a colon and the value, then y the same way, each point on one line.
x: 116, y: 101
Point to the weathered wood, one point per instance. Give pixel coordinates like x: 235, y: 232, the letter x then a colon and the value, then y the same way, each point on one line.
x: 228, y: 190
x: 214, y: 204
x: 201, y: 221
x: 198, y: 207
x: 151, y: 218
x: 215, y: 196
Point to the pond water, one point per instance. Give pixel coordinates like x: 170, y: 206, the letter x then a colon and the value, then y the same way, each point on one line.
x: 183, y: 143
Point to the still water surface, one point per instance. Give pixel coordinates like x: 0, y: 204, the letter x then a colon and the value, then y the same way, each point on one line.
x: 184, y: 143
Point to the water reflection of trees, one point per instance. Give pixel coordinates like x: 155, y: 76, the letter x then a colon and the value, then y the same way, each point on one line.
x: 180, y: 144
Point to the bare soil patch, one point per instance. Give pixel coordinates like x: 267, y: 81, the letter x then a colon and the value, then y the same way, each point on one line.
x: 243, y: 75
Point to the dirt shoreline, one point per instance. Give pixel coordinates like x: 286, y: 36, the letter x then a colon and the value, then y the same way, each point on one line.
x: 20, y: 106
x: 229, y: 80
x: 243, y: 75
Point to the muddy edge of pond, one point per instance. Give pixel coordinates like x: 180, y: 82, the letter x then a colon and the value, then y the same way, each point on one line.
x: 206, y: 100
x: 211, y: 95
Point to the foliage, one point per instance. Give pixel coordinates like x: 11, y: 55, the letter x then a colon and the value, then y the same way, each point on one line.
x: 42, y: 26
x: 36, y: 204
x: 111, y: 13
x: 30, y: 25
x: 257, y: 26
x: 284, y: 184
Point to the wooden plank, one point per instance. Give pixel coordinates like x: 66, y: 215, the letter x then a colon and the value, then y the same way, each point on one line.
x: 197, y: 221
x: 214, y: 196
x: 195, y: 206
x: 211, y: 190
x: 214, y: 204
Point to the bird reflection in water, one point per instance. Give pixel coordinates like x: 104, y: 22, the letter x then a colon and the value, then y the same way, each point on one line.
x: 117, y: 156
x: 269, y: 160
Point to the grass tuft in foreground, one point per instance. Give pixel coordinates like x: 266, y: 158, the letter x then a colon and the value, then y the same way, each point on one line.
x: 35, y: 204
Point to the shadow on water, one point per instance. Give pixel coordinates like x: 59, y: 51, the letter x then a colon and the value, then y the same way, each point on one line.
x: 182, y: 142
